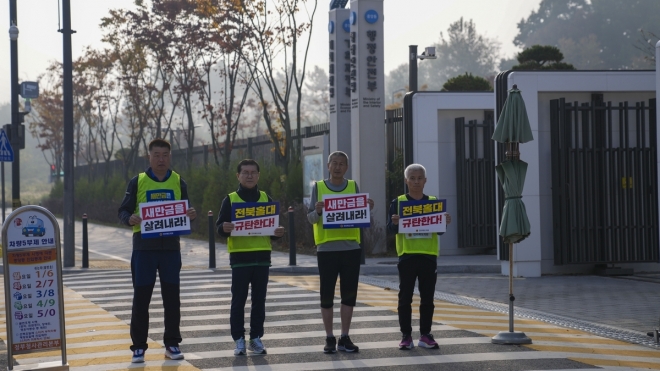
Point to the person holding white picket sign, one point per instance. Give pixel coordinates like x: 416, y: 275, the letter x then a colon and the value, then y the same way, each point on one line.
x: 249, y: 254
x: 418, y: 254
x: 158, y: 187
x: 337, y: 238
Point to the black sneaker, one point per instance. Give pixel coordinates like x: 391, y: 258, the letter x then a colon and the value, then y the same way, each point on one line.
x: 330, y: 345
x: 347, y: 345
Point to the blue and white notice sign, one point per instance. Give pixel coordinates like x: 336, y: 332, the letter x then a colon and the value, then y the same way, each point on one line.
x: 6, y: 152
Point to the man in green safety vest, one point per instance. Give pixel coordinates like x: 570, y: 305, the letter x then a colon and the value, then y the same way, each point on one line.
x: 249, y: 258
x: 418, y: 261
x: 159, y: 254
x: 338, y: 254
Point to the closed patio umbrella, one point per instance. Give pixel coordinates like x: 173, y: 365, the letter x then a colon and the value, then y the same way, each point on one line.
x: 513, y: 128
x: 513, y: 123
x: 515, y: 224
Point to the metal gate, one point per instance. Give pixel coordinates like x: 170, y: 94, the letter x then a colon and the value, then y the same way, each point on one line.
x: 394, y: 130
x: 475, y: 183
x: 604, y: 182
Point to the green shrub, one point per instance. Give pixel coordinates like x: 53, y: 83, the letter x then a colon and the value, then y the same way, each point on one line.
x: 100, y: 199
x: 467, y: 82
x: 57, y: 192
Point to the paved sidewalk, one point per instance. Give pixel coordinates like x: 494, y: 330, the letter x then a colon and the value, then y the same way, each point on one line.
x: 619, y: 308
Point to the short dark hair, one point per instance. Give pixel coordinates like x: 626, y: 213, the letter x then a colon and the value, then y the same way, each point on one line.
x: 246, y: 162
x: 158, y: 142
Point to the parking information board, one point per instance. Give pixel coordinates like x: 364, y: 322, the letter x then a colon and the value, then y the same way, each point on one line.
x: 33, y: 284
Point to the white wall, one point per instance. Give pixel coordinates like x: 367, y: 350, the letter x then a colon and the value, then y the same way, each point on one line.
x: 435, y: 148
x: 434, y: 139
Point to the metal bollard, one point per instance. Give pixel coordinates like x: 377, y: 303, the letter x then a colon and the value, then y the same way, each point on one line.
x: 211, y: 241
x: 85, y: 243
x: 362, y: 254
x: 292, y: 238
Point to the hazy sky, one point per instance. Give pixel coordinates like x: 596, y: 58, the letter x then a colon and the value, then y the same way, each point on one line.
x: 406, y: 22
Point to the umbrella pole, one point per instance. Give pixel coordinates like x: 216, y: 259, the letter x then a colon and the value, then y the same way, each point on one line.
x: 511, y: 337
x: 511, y: 298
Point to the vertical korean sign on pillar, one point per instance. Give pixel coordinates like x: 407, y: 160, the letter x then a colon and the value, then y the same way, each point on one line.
x: 368, y: 144
x: 34, y: 304
x: 339, y: 93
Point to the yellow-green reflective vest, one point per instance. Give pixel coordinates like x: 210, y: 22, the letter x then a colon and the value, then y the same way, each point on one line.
x: 149, y: 190
x: 248, y: 243
x: 322, y: 235
x: 416, y: 243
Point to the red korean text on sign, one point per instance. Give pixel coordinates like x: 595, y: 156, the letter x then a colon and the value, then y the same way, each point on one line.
x: 421, y: 221
x: 345, y: 203
x: 159, y: 211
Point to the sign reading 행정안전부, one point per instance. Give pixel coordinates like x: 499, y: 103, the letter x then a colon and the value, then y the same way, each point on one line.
x: 255, y: 218
x: 166, y: 218
x: 422, y: 216
x: 346, y: 211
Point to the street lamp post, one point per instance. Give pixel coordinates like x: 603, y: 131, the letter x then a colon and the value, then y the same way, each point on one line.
x: 412, y: 68
x: 15, y: 116
x: 429, y: 53
x: 67, y: 103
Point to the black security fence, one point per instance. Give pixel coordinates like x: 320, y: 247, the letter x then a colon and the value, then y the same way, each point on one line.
x: 394, y: 130
x: 475, y: 183
x: 260, y: 148
x: 604, y: 181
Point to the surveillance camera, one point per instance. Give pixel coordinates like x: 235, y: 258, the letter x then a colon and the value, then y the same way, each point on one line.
x: 428, y: 53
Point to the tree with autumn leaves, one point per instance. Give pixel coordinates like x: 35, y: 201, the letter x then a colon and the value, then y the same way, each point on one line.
x: 175, y: 65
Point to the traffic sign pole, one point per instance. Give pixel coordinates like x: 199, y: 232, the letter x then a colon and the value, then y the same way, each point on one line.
x: 6, y: 155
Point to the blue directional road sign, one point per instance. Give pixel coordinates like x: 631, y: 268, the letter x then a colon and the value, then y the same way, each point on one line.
x: 6, y: 152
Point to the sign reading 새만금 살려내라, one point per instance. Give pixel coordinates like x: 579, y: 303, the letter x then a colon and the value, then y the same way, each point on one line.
x: 346, y: 211
x: 33, y: 282
x: 164, y: 218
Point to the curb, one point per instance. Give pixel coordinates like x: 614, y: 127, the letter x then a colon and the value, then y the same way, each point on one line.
x: 391, y: 269
x: 375, y: 269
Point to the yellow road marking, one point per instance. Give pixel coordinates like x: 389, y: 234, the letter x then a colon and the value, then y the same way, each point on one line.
x: 488, y: 323
x: 99, y: 316
x: 608, y: 362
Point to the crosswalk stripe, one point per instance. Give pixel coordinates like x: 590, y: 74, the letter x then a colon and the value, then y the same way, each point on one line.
x: 123, y: 284
x: 100, y: 297
x: 398, y: 361
x: 472, y: 319
x: 98, y: 314
x: 227, y: 307
x: 610, y: 362
x: 315, y: 348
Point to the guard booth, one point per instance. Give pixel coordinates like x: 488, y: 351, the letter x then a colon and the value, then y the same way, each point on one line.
x: 34, y: 305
